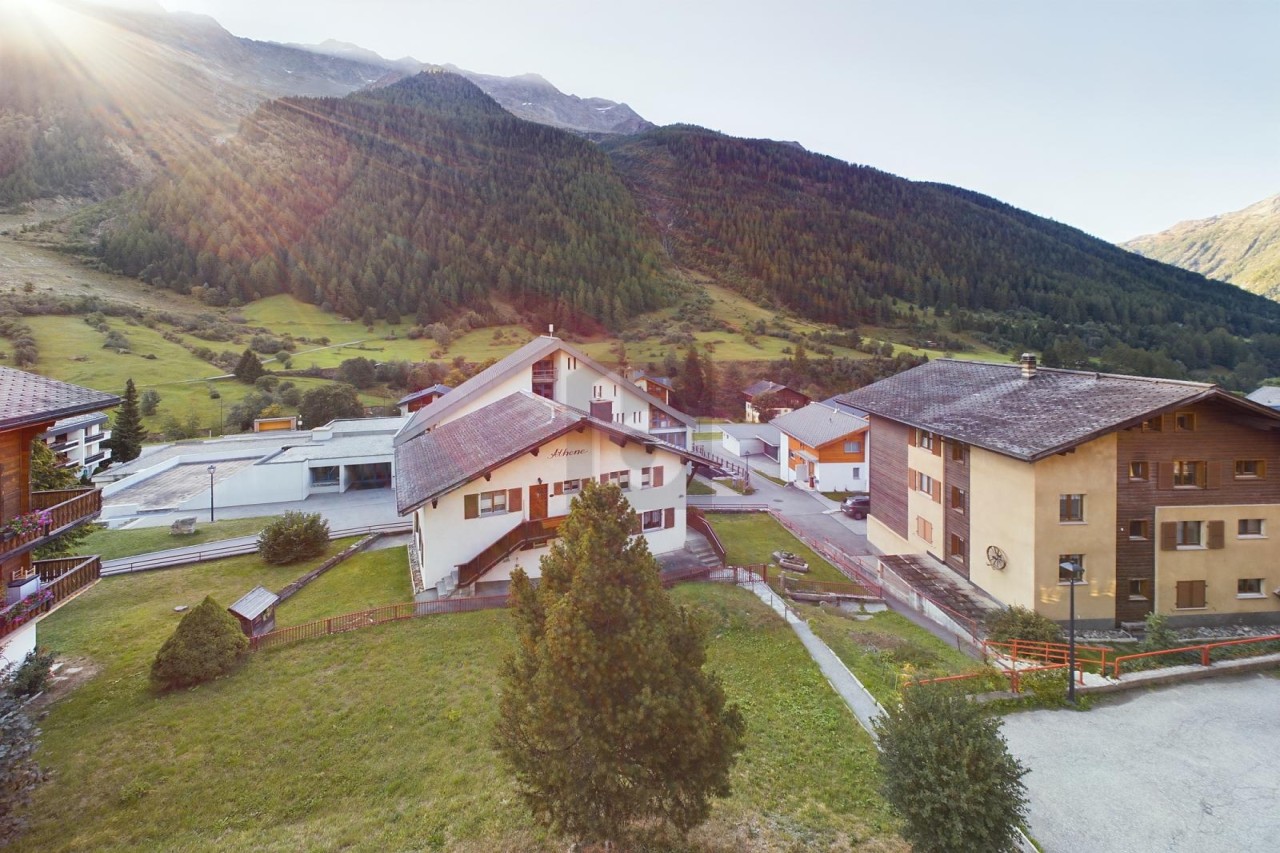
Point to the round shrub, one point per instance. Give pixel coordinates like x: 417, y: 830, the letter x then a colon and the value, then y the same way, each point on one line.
x: 207, y: 643
x: 1019, y: 623
x: 294, y: 536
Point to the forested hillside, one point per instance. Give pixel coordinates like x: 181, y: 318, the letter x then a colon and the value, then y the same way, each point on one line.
x: 841, y: 243
x: 418, y: 199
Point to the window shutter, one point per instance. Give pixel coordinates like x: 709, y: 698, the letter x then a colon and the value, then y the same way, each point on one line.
x: 513, y: 500
x: 668, y: 518
x: 911, y: 437
x: 937, y: 492
x: 1166, y: 422
x: 1168, y: 536
x: 1217, y: 534
x: 912, y: 479
x: 604, y: 479
x: 1164, y: 475
x: 471, y: 506
x: 1262, y: 468
x: 559, y: 488
x: 1213, y: 475
x: 1184, y: 594
x: 657, y: 476
x: 937, y: 446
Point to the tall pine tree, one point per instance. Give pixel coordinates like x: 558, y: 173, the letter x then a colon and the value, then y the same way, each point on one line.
x: 606, y: 715
x: 127, y: 433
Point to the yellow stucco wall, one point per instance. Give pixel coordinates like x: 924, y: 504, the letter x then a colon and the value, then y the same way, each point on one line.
x: 885, y: 540
x: 1240, y: 557
x: 1002, y: 513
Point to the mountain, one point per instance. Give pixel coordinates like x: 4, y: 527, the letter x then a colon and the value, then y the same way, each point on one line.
x: 1241, y: 247
x: 422, y: 198
x: 425, y: 197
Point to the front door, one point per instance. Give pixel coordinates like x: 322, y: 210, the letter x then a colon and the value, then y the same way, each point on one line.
x: 538, y: 502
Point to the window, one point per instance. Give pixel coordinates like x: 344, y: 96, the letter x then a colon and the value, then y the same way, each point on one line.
x: 1064, y: 575
x: 924, y: 529
x: 1190, y: 534
x: 622, y: 478
x: 958, y: 550
x: 1071, y: 508
x: 493, y: 503
x: 572, y: 362
x: 1138, y: 470
x: 1139, y: 529
x: 1190, y: 595
x: 1249, y: 588
x: 959, y: 452
x: 597, y: 391
x: 1188, y: 475
x: 1139, y: 589
x: 1153, y: 424
x: 1251, y: 469
x: 1184, y: 422
x: 569, y: 487
x: 1249, y: 527
x: 651, y: 520
x: 924, y: 483
x: 853, y: 447
x: 958, y: 499
x: 324, y: 476
x: 924, y: 440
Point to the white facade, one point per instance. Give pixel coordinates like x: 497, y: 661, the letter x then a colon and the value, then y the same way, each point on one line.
x: 446, y: 537
x: 80, y: 442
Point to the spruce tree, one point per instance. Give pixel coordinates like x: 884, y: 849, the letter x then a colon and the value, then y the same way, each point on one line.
x: 127, y: 433
x: 249, y: 368
x: 606, y: 716
x: 691, y: 387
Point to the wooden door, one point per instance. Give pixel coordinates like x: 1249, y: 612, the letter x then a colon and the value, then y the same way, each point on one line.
x: 538, y: 502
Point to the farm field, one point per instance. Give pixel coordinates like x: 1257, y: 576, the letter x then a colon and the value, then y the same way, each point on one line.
x: 379, y: 739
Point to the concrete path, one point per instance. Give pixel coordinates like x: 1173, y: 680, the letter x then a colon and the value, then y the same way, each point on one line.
x: 845, y: 683
x: 1180, y: 769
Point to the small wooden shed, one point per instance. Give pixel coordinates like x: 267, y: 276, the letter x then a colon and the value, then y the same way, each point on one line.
x: 256, y: 611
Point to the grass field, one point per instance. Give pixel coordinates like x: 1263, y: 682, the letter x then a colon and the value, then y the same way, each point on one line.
x: 379, y: 739
x: 369, y: 579
x: 751, y: 537
x: 112, y: 544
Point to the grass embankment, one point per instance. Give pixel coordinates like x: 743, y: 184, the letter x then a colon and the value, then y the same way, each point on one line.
x: 751, y: 538
x: 369, y: 579
x: 113, y: 544
x: 379, y: 739
x: 698, y: 487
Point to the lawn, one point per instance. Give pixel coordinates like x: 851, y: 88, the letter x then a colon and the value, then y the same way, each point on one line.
x: 112, y: 544
x: 751, y: 537
x: 378, y: 739
x: 698, y: 487
x: 369, y: 579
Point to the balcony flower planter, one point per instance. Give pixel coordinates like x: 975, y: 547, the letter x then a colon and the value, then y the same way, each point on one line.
x: 35, y: 521
x: 24, y: 611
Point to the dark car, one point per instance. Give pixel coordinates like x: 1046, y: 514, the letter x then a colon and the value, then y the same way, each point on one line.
x: 856, y: 506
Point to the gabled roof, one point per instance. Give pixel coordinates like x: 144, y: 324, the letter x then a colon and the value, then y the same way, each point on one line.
x: 254, y: 602
x: 764, y: 386
x: 767, y: 433
x: 437, y: 389
x: 1267, y: 395
x: 994, y: 407
x: 536, y: 350
x: 665, y: 381
x: 27, y: 399
x: 816, y: 424
x: 453, y: 454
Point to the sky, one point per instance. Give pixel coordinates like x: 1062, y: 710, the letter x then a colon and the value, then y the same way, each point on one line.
x: 1119, y: 117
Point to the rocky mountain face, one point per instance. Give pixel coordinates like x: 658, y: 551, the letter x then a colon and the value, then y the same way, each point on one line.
x: 1241, y: 247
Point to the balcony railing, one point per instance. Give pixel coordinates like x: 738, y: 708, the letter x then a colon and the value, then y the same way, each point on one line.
x: 66, y: 508
x: 526, y: 533
x: 59, y: 580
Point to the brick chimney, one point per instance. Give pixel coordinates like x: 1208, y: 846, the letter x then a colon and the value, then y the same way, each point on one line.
x: 1028, y: 366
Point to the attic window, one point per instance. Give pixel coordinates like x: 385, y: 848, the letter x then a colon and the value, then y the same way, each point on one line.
x: 1184, y: 422
x: 1152, y: 425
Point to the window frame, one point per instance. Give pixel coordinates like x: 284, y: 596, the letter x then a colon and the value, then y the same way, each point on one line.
x: 924, y: 439
x: 645, y: 526
x: 1078, y: 559
x: 1180, y: 540
x: 959, y: 452
x: 1065, y: 509
x: 1243, y: 533
x: 1259, y: 469
x: 493, y: 508
x: 961, y: 505
x: 958, y: 548
x: 622, y: 478
x: 566, y: 489
x: 1183, y: 471
x: 853, y: 446
x: 1143, y: 591
x: 337, y: 478
x: 1144, y: 526
x: 1184, y: 421
x: 1145, y: 468
x: 1256, y: 592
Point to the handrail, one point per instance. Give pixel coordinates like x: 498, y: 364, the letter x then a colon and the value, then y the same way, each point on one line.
x: 1205, y: 649
x: 522, y: 534
x: 695, y: 519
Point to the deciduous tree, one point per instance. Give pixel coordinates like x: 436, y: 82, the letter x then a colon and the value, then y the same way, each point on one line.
x: 329, y: 402
x: 606, y: 714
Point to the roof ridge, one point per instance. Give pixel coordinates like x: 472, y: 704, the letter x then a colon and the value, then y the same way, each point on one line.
x: 1162, y: 380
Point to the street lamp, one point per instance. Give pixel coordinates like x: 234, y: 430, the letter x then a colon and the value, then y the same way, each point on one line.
x: 211, y: 469
x: 1077, y: 574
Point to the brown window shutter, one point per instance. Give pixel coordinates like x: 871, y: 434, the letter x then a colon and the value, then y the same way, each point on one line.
x: 1168, y: 536
x: 471, y: 506
x: 1184, y: 594
x: 1164, y: 475
x: 912, y: 482
x: 937, y: 446
x: 513, y: 500
x: 1262, y: 468
x: 1213, y: 475
x: 937, y: 492
x: 668, y: 518
x: 1197, y: 593
x: 1166, y: 422
x: 911, y: 436
x: 1217, y: 534
x: 657, y: 476
x: 604, y: 478
x: 559, y: 489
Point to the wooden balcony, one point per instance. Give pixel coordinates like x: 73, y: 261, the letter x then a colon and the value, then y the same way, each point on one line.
x: 528, y: 533
x: 67, y: 508
x: 59, y: 580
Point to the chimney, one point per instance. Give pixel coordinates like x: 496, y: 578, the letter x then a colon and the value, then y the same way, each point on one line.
x: 1028, y: 366
x: 551, y: 330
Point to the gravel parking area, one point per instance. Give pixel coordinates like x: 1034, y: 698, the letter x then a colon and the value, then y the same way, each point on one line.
x: 1189, y: 768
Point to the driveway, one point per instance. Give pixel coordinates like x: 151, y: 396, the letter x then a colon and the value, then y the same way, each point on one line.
x: 1178, y: 769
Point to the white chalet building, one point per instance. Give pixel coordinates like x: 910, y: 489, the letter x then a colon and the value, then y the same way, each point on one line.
x: 488, y: 470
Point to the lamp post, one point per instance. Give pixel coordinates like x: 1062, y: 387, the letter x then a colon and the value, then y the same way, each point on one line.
x: 1077, y: 573
x: 211, y: 469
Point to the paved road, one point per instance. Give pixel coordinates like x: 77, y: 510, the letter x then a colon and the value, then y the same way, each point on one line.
x: 1180, y: 769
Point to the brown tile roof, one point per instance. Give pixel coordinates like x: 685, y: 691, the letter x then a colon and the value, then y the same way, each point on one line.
x: 993, y: 406
x: 27, y: 399
x: 455, y: 453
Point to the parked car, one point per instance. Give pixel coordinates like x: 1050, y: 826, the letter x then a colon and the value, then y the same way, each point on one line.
x: 856, y: 506
x: 790, y: 562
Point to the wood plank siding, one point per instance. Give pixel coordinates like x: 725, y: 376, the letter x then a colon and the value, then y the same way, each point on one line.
x: 1220, y: 437
x: 889, y: 478
x: 15, y: 488
x: 955, y: 475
